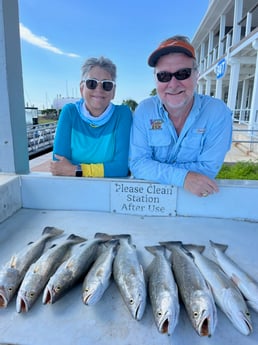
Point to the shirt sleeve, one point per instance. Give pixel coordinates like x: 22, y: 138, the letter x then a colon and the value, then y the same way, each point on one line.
x: 118, y: 167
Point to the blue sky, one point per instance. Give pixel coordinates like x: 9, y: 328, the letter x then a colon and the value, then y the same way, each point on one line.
x: 58, y: 35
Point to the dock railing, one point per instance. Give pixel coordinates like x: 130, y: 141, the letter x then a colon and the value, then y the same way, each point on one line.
x: 40, y: 138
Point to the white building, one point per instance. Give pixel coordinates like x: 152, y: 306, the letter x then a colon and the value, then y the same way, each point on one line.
x: 226, y: 44
x: 59, y: 102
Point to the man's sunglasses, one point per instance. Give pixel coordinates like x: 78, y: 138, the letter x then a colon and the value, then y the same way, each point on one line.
x: 181, y: 74
x: 92, y: 83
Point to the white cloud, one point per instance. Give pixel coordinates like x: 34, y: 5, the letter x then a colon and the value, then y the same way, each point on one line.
x: 41, y: 41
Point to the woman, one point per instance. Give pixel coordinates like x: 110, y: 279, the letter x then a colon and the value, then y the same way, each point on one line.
x: 92, y: 137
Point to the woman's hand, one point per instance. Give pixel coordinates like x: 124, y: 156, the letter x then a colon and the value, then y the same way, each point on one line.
x: 62, y: 167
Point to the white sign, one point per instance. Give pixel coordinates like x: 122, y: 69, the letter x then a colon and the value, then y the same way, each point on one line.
x: 147, y: 199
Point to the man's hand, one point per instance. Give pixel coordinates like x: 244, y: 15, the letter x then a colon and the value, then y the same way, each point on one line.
x: 200, y: 185
x: 62, y: 167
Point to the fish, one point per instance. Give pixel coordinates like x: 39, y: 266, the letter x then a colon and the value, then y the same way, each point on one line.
x: 163, y: 290
x: 129, y: 276
x: 193, y: 289
x: 226, y: 294
x: 12, y: 273
x: 246, y: 284
x: 40, y: 271
x: 98, y: 279
x: 71, y: 271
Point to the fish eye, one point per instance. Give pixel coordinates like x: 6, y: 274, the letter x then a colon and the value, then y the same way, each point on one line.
x: 247, y: 313
x: 195, y: 314
x: 131, y: 301
x: 159, y: 313
x: 58, y: 287
x: 32, y: 293
x: 86, y: 289
x: 10, y: 289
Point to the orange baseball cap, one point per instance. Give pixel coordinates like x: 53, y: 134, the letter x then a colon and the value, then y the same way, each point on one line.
x: 171, y: 46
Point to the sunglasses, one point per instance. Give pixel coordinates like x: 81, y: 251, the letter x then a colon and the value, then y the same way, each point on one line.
x: 181, y: 74
x: 92, y: 83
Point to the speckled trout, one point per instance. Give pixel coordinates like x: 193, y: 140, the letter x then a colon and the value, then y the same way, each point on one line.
x: 226, y: 294
x: 71, y: 271
x: 98, y: 278
x: 12, y: 273
x: 246, y: 284
x: 128, y: 275
x: 40, y: 271
x: 194, y: 290
x: 163, y: 291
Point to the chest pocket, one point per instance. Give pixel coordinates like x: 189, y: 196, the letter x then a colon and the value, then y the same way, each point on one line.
x: 159, y: 137
x: 191, y: 146
x: 161, y: 143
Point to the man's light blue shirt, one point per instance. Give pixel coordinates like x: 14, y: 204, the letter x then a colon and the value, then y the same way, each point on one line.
x: 158, y: 154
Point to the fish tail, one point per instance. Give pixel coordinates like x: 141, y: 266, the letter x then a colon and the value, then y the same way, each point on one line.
x: 169, y: 244
x: 154, y: 249
x: 109, y: 237
x: 52, y: 230
x: 222, y: 247
x: 110, y: 243
x: 113, y: 243
x: 199, y: 248
x: 103, y: 236
x: 76, y: 238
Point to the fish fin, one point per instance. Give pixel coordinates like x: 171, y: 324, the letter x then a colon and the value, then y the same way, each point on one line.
x: 235, y: 279
x: 52, y: 230
x: 76, y: 238
x: 13, y: 261
x: 222, y: 247
x: 35, y: 268
x: 69, y: 264
x: 199, y: 248
x: 29, y: 243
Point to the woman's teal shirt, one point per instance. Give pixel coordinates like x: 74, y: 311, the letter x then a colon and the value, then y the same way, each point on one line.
x: 82, y: 142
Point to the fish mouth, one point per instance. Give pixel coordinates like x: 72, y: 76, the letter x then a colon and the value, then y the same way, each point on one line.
x: 167, y: 324
x: 3, y: 299
x: 47, y: 297
x: 21, y: 305
x: 207, y: 324
x: 139, y: 311
x: 164, y: 326
x: 204, y: 327
x: 248, y: 328
x: 86, y: 298
x: 243, y: 324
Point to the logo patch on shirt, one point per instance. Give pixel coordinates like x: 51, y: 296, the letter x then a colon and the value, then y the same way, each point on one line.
x: 200, y: 130
x: 156, y: 124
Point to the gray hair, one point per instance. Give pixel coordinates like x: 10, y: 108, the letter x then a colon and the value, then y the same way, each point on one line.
x: 101, y: 62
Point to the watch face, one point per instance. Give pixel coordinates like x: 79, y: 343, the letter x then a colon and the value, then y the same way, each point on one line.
x: 78, y: 173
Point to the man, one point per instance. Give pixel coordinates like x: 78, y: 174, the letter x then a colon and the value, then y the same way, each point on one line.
x: 179, y: 137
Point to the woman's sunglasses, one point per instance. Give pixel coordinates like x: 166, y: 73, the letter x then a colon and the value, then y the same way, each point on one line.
x: 92, y: 83
x: 181, y: 74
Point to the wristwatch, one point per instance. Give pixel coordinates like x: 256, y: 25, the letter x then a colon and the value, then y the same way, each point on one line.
x: 78, y: 172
